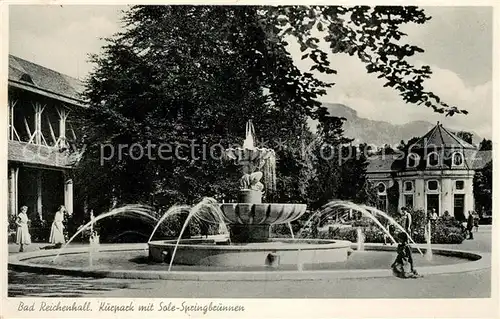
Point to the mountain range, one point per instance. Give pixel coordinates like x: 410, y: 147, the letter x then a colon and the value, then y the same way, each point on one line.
x: 379, y: 133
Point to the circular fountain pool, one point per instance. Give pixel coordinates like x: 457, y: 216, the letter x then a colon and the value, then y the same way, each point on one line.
x: 280, y: 252
x: 132, y: 261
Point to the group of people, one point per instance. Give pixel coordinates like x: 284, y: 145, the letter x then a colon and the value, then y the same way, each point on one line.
x: 406, y: 222
x: 471, y: 224
x: 23, y: 237
x: 468, y: 225
x: 403, y: 266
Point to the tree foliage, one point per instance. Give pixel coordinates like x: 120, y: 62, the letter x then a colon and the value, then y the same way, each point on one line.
x: 405, y: 146
x: 180, y: 75
x: 483, y: 188
x: 485, y: 145
x: 466, y: 136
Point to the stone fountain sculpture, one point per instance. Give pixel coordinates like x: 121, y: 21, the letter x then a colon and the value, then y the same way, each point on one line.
x: 254, y: 162
x: 249, y: 222
x: 250, y: 219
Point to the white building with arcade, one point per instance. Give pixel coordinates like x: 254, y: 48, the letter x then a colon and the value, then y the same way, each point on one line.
x: 436, y: 172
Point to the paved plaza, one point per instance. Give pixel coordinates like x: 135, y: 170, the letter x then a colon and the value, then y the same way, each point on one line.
x: 461, y: 285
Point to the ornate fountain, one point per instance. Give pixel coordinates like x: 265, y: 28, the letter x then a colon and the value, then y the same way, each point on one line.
x: 250, y: 219
x: 250, y: 253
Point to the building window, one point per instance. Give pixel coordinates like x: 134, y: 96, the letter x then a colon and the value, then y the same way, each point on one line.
x: 459, y: 185
x: 432, y: 159
x: 432, y: 185
x: 382, y: 202
x: 408, y: 186
x: 381, y: 188
x: 412, y: 160
x: 382, y: 196
x: 408, y: 200
x: 458, y: 159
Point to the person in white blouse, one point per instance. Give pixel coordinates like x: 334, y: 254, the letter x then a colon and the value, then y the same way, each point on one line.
x: 23, y: 236
x: 57, y: 229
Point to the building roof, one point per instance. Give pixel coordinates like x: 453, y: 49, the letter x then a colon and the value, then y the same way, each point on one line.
x: 31, y: 76
x: 440, y: 137
x: 437, y: 138
x: 381, y: 163
x: 40, y: 155
x: 475, y: 160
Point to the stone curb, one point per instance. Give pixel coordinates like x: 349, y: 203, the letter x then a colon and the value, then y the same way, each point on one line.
x: 18, y: 262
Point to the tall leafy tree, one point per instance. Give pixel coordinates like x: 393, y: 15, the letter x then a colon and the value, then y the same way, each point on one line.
x: 340, y: 168
x: 178, y: 74
x: 483, y: 180
x: 485, y: 145
x: 483, y: 188
x: 326, y: 156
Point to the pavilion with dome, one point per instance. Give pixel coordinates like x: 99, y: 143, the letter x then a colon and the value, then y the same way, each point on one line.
x: 436, y: 172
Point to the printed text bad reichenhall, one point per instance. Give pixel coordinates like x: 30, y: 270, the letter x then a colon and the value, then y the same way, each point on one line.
x: 185, y: 307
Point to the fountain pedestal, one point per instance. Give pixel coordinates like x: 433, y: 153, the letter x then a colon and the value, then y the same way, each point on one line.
x: 242, y: 233
x: 247, y: 232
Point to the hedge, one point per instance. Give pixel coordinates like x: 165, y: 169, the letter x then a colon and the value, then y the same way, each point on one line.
x: 441, y: 233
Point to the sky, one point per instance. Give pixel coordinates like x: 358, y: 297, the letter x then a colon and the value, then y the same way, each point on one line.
x: 457, y: 43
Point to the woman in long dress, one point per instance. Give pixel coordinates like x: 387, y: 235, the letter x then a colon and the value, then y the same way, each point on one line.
x: 23, y: 236
x: 57, y: 229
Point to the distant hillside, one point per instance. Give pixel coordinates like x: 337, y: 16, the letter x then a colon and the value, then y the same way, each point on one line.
x: 364, y: 130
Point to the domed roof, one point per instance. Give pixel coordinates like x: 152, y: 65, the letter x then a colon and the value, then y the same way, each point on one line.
x: 439, y: 137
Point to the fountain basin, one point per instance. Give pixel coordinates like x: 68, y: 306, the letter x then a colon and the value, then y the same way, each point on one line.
x: 72, y: 262
x: 250, y: 222
x: 272, y: 253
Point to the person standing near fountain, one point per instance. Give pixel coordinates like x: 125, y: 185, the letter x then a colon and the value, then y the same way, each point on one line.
x: 57, y: 229
x: 433, y: 216
x: 204, y: 228
x: 476, y: 221
x: 402, y: 267
x: 470, y: 225
x: 23, y: 236
x: 407, y: 220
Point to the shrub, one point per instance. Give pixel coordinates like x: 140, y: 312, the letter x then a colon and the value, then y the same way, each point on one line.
x: 365, y: 222
x: 348, y: 233
x: 12, y: 222
x: 444, y: 231
x: 324, y: 235
x: 419, y: 219
x: 441, y: 233
x: 12, y: 228
x: 455, y: 238
x: 39, y: 230
x: 374, y: 235
x: 283, y: 231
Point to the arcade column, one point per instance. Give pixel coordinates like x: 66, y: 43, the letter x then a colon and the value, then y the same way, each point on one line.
x: 469, y: 196
x: 401, y: 201
x: 446, y: 196
x: 420, y: 194
x: 68, y: 193
x: 13, y: 190
x: 39, y: 195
